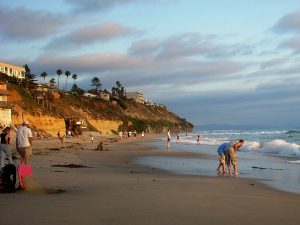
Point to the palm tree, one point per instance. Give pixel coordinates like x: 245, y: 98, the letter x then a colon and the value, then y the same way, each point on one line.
x: 58, y: 72
x: 52, y: 81
x: 44, y: 75
x: 74, y: 76
x: 67, y: 73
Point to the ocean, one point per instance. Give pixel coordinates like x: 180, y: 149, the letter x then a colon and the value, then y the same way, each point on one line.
x: 271, y: 156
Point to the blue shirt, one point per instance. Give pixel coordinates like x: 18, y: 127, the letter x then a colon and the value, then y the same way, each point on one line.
x: 223, y: 147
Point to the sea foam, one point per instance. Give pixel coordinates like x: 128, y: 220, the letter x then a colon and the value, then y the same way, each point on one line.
x: 281, y: 147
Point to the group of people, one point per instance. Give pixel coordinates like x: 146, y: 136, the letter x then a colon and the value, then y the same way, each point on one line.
x: 23, y: 145
x: 227, y: 153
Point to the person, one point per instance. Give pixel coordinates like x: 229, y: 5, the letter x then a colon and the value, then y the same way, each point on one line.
x: 60, y: 137
x: 177, y: 138
x: 24, y: 142
x: 92, y: 138
x: 4, y: 147
x: 169, y: 138
x: 231, y: 156
x: 8, y: 176
x: 198, y: 138
x: 221, y: 154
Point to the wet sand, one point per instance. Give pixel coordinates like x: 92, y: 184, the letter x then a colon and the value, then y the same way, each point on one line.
x: 109, y: 188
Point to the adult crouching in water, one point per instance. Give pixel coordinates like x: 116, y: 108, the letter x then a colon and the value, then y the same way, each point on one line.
x: 231, y: 155
x: 24, y: 142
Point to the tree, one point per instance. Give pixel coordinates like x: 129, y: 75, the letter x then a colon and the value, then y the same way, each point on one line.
x: 58, y: 72
x: 44, y: 75
x: 52, y: 81
x: 77, y: 89
x: 29, y: 81
x: 67, y: 73
x: 118, y: 91
x: 74, y: 76
x: 97, y: 83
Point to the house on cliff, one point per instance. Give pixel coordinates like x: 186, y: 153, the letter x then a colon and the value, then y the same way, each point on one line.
x: 5, y: 107
x: 136, y: 96
x: 12, y: 70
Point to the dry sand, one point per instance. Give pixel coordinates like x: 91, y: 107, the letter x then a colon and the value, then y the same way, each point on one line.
x: 111, y: 189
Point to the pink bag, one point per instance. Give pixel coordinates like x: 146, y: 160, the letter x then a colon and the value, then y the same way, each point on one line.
x: 23, y: 170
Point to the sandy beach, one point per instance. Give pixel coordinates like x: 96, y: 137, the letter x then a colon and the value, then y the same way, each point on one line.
x: 111, y: 189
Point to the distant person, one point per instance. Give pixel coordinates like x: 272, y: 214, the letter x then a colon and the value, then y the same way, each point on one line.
x: 92, y: 139
x: 177, y: 138
x: 5, y: 151
x: 169, y: 138
x: 60, y: 137
x: 198, y: 138
x: 24, y: 142
x: 221, y: 154
x: 231, y: 155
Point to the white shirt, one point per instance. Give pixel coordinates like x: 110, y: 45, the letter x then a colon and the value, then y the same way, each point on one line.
x: 23, y: 135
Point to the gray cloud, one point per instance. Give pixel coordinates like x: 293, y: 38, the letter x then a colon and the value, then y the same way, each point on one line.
x: 288, y: 23
x: 25, y: 24
x: 129, y: 68
x: 96, y: 5
x: 269, y: 104
x: 276, y: 62
x: 292, y: 44
x: 91, y: 34
x: 187, y: 45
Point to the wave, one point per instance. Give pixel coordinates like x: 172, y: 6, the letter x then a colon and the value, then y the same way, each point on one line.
x: 276, y: 147
x: 295, y: 161
x: 293, y: 132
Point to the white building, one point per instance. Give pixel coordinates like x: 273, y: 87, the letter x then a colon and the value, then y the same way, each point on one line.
x: 12, y: 70
x: 89, y: 95
x: 136, y: 96
x: 104, y: 96
x: 5, y: 110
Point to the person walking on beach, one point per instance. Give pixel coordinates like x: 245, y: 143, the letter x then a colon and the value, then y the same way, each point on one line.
x: 177, y: 138
x: 169, y: 139
x: 221, y: 154
x: 60, y: 137
x: 231, y: 155
x: 92, y: 138
x: 4, y: 147
x: 24, y: 142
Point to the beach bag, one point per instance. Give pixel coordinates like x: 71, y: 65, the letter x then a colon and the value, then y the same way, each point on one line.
x: 23, y: 170
x: 9, y: 178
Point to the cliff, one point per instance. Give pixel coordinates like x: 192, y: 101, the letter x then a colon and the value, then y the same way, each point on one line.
x: 51, y: 111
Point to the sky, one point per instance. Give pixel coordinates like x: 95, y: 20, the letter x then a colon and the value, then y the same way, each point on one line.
x: 209, y: 61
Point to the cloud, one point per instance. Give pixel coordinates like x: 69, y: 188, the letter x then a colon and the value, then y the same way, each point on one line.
x: 87, y: 63
x: 25, y: 24
x: 90, y: 34
x: 187, y: 45
x: 273, y: 104
x: 288, y: 23
x: 131, y: 69
x: 292, y: 44
x: 276, y: 62
x: 96, y: 5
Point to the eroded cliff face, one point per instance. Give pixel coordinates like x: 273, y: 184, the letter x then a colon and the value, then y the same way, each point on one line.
x: 99, y: 115
x: 49, y: 124
x: 105, y: 126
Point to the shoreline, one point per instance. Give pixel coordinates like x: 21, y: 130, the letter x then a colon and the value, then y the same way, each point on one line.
x: 115, y: 190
